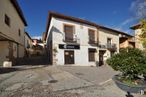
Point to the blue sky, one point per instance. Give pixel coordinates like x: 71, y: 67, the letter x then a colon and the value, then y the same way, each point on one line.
x: 118, y: 14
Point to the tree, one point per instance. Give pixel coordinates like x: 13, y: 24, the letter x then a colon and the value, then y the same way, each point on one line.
x: 130, y: 61
x: 143, y: 33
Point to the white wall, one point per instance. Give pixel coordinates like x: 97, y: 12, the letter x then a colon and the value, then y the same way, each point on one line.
x: 81, y: 55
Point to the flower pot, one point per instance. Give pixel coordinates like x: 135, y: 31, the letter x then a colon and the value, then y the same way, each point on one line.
x: 127, y: 88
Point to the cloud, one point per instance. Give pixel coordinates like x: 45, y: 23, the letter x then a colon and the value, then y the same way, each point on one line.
x: 125, y: 22
x: 37, y: 37
x: 138, y: 7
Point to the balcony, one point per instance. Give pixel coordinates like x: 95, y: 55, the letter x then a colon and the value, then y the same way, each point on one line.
x: 111, y: 46
x: 131, y: 39
x: 93, y: 42
x: 71, y: 39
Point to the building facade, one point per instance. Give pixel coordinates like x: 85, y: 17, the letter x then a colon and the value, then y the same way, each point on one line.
x: 12, y: 26
x: 137, y: 32
x: 126, y: 40
x: 28, y: 44
x: 77, y: 42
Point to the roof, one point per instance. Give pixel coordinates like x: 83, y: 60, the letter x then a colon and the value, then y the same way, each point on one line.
x: 58, y: 15
x: 18, y: 9
x: 28, y: 35
x: 135, y: 26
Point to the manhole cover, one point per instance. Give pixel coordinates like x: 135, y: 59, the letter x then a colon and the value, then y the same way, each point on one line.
x: 53, y: 81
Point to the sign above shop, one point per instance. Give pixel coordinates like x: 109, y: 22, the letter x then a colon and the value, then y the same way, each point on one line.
x: 69, y: 46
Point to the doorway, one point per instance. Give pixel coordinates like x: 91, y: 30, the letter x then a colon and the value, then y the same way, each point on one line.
x: 101, y: 58
x: 69, y: 57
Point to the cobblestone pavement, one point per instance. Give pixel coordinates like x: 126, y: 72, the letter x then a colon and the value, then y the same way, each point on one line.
x: 51, y: 81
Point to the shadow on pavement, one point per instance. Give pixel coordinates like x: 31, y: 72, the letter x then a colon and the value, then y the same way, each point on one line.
x: 34, y: 61
x: 129, y: 94
x: 4, y: 70
x: 7, y: 70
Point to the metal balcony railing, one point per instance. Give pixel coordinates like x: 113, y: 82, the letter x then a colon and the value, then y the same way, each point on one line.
x: 71, y: 39
x: 108, y: 46
x: 111, y: 46
x: 93, y: 42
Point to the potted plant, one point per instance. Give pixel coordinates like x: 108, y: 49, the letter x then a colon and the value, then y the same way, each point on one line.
x: 131, y: 62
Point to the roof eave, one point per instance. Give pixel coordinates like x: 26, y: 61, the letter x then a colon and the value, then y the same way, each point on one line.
x: 18, y: 9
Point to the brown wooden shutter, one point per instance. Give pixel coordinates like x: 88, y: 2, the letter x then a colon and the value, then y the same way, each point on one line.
x: 91, y: 35
x: 68, y: 32
x: 91, y: 56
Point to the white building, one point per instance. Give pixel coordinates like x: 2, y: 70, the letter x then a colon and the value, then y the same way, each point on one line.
x: 77, y: 42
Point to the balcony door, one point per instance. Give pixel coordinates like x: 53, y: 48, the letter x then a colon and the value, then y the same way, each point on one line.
x: 69, y: 32
x: 91, y: 34
x: 101, y: 58
x: 109, y: 41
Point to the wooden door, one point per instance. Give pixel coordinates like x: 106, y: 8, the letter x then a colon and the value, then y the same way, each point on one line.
x: 101, y: 60
x: 69, y: 57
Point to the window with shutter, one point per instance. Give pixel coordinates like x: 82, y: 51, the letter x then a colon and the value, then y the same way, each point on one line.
x: 91, y: 35
x: 69, y: 31
x: 91, y: 55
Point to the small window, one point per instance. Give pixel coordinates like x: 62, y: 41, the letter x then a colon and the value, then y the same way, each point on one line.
x: 92, y: 55
x: 19, y: 32
x: 7, y: 20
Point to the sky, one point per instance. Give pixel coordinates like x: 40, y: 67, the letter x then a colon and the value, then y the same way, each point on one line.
x: 117, y: 14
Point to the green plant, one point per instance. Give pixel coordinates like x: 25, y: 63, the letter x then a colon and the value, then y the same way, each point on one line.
x: 130, y: 61
x: 55, y: 50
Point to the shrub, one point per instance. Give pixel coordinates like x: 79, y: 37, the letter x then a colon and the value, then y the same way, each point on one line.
x: 130, y: 61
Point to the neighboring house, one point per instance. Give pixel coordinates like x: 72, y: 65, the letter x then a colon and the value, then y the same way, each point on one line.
x: 79, y: 42
x: 38, y: 47
x: 126, y: 40
x: 137, y: 32
x: 28, y: 44
x: 12, y: 26
x: 43, y: 37
x: 38, y: 42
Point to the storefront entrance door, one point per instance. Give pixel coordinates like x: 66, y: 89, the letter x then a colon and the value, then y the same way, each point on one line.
x: 69, y: 57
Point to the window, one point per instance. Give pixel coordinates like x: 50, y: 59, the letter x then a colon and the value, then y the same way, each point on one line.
x: 7, y: 20
x: 91, y: 55
x: 69, y: 31
x: 19, y: 32
x: 91, y: 34
x: 109, y: 41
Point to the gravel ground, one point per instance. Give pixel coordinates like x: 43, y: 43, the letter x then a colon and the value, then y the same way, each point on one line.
x: 55, y: 82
